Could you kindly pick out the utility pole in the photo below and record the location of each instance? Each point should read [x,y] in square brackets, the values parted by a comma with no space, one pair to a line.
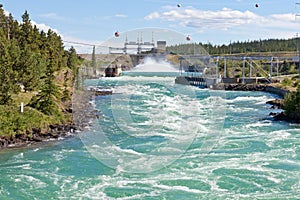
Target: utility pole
[225,68]
[243,70]
[297,15]
[297,55]
[271,70]
[250,70]
[217,70]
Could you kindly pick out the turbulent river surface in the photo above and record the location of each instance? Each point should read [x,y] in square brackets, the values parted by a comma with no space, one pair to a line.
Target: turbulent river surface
[158,140]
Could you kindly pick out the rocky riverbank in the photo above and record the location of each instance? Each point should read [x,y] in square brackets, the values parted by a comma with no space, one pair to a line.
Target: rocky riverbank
[36,135]
[245,87]
[83,112]
[275,104]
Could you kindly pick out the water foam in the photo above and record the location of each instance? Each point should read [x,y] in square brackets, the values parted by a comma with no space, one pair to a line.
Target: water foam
[154,65]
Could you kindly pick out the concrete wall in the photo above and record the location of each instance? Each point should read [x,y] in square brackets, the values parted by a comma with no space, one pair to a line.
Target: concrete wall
[229,80]
[181,80]
[277,91]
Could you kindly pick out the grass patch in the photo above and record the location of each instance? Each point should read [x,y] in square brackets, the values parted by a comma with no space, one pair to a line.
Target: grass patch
[24,97]
[14,122]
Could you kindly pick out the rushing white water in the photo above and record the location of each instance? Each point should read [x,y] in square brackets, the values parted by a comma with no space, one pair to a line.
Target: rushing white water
[151,64]
[253,157]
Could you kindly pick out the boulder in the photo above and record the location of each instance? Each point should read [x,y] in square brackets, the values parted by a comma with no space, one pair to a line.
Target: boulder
[276,103]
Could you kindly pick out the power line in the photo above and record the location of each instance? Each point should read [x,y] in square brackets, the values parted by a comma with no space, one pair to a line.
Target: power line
[81,43]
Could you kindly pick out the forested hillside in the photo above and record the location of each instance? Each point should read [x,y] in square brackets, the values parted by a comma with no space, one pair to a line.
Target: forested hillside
[34,69]
[270,45]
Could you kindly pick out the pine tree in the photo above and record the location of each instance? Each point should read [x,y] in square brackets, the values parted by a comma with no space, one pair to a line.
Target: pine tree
[47,99]
[31,65]
[8,56]
[30,68]
[14,30]
[26,31]
[55,42]
[66,93]
[72,61]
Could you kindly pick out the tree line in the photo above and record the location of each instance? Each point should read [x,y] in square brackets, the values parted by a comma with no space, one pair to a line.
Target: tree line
[268,45]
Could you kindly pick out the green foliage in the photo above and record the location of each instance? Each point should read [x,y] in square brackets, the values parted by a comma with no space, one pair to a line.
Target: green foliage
[32,58]
[46,100]
[269,45]
[30,62]
[73,60]
[8,84]
[292,105]
[66,93]
[292,70]
[13,121]
[286,82]
[285,66]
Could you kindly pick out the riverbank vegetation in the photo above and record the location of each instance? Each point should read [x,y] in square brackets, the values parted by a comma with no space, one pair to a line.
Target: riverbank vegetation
[34,69]
[291,105]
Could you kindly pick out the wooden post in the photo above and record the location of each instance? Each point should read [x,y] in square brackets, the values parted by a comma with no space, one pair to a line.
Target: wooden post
[22,107]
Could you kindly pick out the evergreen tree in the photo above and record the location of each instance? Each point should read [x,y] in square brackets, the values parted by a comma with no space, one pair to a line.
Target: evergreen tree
[55,42]
[66,93]
[14,30]
[8,56]
[47,98]
[26,31]
[72,61]
[30,68]
[31,65]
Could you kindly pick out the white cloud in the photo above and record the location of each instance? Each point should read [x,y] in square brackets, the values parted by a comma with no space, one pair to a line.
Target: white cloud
[152,16]
[284,17]
[228,20]
[6,13]
[121,15]
[51,16]
[44,27]
[200,19]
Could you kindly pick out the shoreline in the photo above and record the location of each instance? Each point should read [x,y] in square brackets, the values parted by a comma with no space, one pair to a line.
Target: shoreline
[36,136]
[83,111]
[276,103]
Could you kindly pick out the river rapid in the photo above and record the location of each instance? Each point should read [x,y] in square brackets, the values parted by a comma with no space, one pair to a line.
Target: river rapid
[158,140]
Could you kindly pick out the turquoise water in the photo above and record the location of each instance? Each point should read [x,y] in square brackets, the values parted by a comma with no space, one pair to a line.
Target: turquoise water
[163,142]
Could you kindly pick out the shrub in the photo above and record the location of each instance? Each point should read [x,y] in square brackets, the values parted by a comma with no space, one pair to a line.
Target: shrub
[292,104]
[286,82]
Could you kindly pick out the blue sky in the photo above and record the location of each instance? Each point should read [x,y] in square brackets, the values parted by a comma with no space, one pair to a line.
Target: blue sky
[215,21]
